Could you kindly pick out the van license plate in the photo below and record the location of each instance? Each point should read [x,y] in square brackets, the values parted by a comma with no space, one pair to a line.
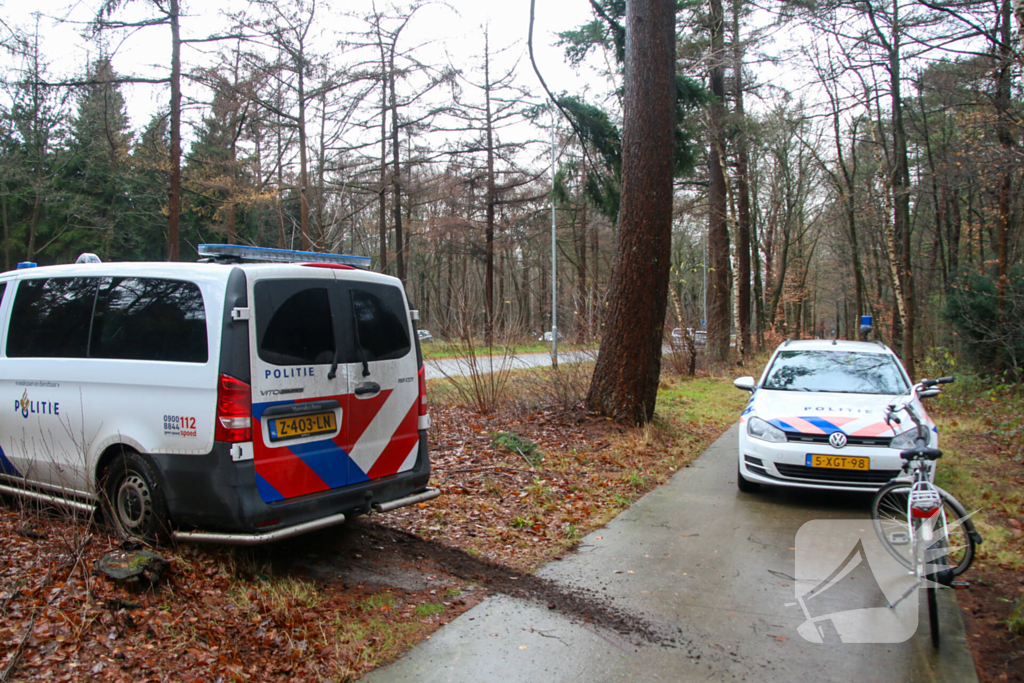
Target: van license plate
[301,425]
[839,462]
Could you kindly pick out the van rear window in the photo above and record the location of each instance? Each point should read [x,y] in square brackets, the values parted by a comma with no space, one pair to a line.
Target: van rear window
[50,318]
[139,318]
[294,322]
[381,327]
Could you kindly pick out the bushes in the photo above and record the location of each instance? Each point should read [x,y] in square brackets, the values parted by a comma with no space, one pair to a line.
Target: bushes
[991,329]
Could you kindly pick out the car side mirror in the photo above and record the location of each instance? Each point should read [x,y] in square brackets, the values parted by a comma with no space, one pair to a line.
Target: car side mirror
[928,393]
[744,383]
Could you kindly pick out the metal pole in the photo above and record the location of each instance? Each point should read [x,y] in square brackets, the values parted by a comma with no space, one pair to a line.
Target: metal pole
[554,272]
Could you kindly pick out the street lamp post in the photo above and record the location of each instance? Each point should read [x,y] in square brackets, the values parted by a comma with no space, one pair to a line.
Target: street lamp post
[554,265]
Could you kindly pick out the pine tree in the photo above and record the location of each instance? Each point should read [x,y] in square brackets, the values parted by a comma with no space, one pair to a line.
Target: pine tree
[98,168]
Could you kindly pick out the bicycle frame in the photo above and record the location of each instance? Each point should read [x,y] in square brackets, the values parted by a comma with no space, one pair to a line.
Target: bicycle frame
[926,517]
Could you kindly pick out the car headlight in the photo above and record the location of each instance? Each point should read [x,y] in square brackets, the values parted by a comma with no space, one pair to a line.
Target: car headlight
[907,440]
[760,429]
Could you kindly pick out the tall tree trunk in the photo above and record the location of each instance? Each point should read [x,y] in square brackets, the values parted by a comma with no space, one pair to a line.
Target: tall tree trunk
[718,230]
[303,163]
[396,171]
[742,192]
[901,195]
[1006,141]
[625,380]
[174,190]
[491,201]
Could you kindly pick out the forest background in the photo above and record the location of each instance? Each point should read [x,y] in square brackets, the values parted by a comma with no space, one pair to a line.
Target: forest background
[832,159]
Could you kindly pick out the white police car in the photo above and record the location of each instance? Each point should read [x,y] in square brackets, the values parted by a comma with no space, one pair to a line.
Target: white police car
[816,418]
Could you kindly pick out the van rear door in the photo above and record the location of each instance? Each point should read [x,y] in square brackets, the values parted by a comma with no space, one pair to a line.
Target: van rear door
[383,436]
[299,405]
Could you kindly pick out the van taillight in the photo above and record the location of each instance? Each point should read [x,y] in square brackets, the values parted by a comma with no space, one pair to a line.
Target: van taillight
[423,390]
[234,410]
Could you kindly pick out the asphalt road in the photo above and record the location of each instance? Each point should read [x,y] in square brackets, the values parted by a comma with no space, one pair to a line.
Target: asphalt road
[713,570]
[460,367]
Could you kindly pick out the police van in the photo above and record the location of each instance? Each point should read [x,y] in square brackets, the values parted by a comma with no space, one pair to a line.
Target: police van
[253,396]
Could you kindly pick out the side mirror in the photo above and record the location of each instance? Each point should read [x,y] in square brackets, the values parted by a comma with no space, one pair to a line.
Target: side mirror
[928,393]
[744,383]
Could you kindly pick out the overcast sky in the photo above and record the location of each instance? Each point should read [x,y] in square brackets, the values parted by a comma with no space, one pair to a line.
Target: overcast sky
[454,30]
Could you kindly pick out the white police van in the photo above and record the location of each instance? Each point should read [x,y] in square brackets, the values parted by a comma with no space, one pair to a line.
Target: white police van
[216,401]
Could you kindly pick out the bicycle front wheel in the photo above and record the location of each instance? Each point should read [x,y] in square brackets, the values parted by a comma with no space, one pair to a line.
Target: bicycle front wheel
[889,516]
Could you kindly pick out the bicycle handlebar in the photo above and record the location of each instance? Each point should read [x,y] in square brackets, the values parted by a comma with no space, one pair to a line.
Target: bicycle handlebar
[921,453]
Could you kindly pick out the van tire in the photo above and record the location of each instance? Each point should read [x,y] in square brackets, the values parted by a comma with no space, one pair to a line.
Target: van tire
[133,500]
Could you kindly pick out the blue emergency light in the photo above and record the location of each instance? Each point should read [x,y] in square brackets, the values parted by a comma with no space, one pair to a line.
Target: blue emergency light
[866,325]
[236,252]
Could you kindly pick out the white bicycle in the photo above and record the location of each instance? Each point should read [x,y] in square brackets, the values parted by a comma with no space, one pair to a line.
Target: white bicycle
[924,527]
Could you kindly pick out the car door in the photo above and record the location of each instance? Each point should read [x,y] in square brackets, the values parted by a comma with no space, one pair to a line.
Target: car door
[299,382]
[46,438]
[383,436]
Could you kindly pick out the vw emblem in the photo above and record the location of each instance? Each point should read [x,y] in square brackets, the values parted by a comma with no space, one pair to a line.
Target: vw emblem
[837,439]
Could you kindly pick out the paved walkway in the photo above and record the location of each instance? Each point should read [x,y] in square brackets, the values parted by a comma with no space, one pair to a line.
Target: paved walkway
[459,367]
[697,557]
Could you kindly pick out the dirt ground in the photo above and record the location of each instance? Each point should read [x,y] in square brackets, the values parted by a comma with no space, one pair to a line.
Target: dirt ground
[983,464]
[335,604]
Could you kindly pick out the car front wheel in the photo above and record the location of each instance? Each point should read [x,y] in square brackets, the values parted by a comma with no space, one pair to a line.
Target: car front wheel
[745,485]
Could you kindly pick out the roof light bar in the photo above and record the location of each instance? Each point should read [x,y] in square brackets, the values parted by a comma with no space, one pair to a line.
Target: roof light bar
[240,253]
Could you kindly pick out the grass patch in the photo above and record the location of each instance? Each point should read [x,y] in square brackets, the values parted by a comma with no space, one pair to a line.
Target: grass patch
[1015,622]
[429,610]
[980,436]
[517,444]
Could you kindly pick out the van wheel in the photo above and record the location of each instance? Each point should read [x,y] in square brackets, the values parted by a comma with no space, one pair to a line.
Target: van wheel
[133,501]
[745,485]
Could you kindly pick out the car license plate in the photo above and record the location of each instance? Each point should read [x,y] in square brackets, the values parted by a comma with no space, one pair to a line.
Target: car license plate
[301,425]
[839,462]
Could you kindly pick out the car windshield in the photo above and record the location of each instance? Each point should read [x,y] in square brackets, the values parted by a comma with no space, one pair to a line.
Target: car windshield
[836,371]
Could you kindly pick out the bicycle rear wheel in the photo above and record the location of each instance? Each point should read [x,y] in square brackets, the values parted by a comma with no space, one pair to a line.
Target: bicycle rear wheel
[933,612]
[889,516]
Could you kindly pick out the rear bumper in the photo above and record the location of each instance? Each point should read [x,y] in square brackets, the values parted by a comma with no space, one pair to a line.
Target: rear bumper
[216,499]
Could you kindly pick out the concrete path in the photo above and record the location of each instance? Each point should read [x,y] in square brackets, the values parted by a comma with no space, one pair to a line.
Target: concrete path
[459,367]
[697,557]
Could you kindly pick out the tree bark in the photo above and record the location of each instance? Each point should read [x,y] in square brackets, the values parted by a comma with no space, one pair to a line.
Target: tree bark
[396,171]
[718,230]
[625,381]
[174,190]
[742,194]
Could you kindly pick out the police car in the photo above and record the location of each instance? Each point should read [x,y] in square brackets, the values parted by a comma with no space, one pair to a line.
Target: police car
[252,397]
[816,418]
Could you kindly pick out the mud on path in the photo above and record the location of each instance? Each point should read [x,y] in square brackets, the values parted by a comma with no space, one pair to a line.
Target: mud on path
[377,557]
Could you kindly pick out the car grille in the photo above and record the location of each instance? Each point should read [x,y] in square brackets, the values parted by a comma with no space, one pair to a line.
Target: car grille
[797,437]
[837,477]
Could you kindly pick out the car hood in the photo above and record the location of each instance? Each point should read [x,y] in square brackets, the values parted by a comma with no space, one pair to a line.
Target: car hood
[823,413]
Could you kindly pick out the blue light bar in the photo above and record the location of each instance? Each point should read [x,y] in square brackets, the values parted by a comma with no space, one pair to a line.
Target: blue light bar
[866,321]
[278,255]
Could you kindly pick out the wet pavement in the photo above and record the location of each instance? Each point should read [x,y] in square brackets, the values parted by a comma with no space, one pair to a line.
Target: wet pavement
[711,572]
[461,367]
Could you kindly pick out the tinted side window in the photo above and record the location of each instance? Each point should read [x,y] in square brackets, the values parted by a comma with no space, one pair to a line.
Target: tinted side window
[380,322]
[293,322]
[150,319]
[50,318]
